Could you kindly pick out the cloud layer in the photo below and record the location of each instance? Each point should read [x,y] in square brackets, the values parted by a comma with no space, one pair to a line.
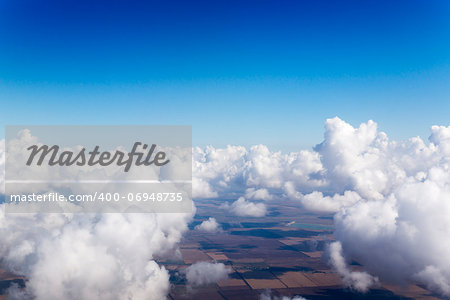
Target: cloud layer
[390,201]
[89,256]
[390,198]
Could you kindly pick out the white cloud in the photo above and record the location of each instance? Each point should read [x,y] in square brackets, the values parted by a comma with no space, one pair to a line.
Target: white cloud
[360,281]
[218,172]
[89,256]
[390,200]
[202,189]
[209,225]
[316,201]
[268,296]
[390,197]
[203,273]
[244,208]
[258,194]
[434,279]
[400,231]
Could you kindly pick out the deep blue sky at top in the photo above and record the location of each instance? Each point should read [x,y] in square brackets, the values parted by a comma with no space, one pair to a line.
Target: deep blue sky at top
[241,72]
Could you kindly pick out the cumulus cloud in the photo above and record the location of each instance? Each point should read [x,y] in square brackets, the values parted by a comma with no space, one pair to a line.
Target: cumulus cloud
[316,201]
[268,296]
[243,208]
[258,194]
[89,256]
[202,189]
[203,273]
[390,198]
[391,204]
[360,281]
[219,172]
[400,230]
[209,225]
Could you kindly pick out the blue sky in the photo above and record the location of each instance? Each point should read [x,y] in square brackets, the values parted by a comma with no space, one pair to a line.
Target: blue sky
[240,72]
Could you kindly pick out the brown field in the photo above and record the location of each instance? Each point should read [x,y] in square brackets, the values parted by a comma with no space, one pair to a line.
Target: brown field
[314,254]
[217,255]
[324,279]
[248,260]
[227,283]
[191,256]
[293,241]
[411,291]
[296,279]
[265,284]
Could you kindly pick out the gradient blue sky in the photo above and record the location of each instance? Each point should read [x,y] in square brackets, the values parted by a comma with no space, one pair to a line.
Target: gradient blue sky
[240,72]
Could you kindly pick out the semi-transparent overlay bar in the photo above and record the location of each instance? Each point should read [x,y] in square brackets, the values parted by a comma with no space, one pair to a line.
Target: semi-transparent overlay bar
[98,169]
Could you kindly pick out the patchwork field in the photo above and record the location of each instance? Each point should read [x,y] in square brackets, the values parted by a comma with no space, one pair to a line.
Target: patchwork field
[273,254]
[283,253]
